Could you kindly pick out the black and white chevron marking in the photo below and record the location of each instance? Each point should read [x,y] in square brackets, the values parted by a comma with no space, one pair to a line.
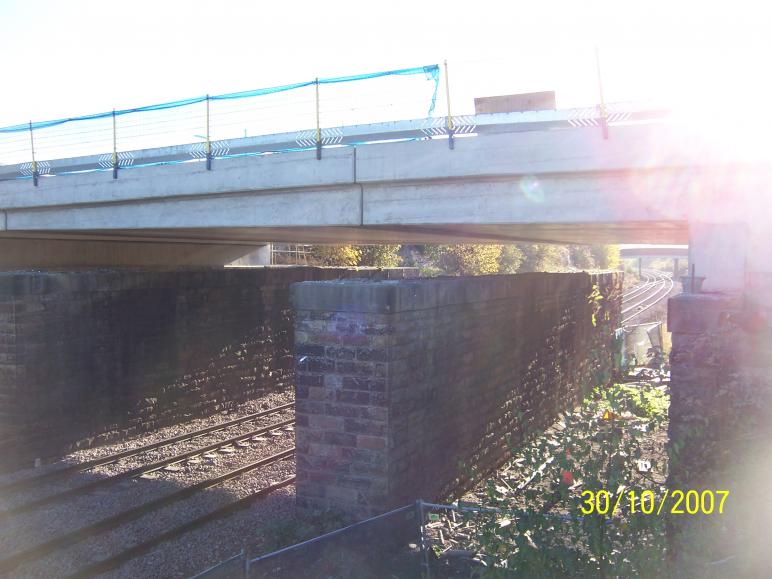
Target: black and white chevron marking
[43,168]
[332,136]
[590,116]
[125,159]
[438,126]
[219,149]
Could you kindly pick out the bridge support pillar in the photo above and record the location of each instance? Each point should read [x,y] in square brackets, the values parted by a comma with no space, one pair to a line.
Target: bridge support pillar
[718,252]
[721,410]
[409,389]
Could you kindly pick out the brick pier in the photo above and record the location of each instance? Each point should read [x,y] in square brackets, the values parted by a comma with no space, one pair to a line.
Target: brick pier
[412,388]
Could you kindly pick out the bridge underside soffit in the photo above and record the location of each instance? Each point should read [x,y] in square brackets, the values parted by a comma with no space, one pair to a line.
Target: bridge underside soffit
[620,232]
[213,246]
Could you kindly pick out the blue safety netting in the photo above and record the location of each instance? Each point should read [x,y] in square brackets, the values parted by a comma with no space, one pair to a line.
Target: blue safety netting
[294,115]
[431,72]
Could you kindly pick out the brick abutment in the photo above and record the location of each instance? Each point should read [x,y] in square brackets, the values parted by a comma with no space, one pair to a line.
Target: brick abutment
[720,431]
[95,356]
[417,388]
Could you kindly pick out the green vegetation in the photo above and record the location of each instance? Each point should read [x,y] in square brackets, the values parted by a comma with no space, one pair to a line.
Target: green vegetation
[642,401]
[606,256]
[471,259]
[354,255]
[510,259]
[334,255]
[544,530]
[380,255]
[582,257]
[544,257]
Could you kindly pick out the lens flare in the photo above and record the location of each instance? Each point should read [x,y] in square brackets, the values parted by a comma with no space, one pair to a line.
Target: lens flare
[532,189]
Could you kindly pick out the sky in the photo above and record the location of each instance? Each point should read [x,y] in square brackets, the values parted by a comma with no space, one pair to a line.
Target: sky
[71,58]
[79,56]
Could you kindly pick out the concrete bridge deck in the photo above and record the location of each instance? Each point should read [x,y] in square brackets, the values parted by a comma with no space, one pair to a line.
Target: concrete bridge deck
[642,185]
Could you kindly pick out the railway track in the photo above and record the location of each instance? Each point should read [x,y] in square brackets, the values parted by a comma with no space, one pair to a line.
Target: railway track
[31,482]
[64,540]
[139,471]
[140,549]
[648,280]
[69,538]
[655,287]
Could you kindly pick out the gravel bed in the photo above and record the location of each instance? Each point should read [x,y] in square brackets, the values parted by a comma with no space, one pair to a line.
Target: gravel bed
[659,311]
[33,527]
[70,560]
[27,529]
[265,402]
[214,542]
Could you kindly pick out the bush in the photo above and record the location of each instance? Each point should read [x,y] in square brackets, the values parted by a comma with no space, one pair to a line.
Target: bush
[379,255]
[596,449]
[335,255]
[606,256]
[543,257]
[582,257]
[468,259]
[511,259]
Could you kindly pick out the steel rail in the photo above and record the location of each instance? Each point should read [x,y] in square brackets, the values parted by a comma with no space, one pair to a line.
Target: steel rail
[650,278]
[59,542]
[110,563]
[138,471]
[660,282]
[640,283]
[664,294]
[638,288]
[84,466]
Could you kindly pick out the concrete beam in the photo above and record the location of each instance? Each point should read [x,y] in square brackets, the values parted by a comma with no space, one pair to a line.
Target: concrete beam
[25,253]
[538,152]
[263,173]
[653,196]
[665,252]
[643,185]
[333,206]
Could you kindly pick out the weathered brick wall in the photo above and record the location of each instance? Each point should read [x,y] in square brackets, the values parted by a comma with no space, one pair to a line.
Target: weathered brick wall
[411,389]
[720,432]
[87,357]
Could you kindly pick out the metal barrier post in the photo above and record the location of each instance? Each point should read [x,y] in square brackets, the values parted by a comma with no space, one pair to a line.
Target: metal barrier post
[34,163]
[318,124]
[115,149]
[451,143]
[602,106]
[208,141]
[422,540]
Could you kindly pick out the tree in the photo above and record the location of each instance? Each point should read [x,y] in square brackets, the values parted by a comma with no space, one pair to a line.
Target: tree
[379,255]
[511,259]
[544,257]
[334,255]
[606,256]
[466,259]
[582,256]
